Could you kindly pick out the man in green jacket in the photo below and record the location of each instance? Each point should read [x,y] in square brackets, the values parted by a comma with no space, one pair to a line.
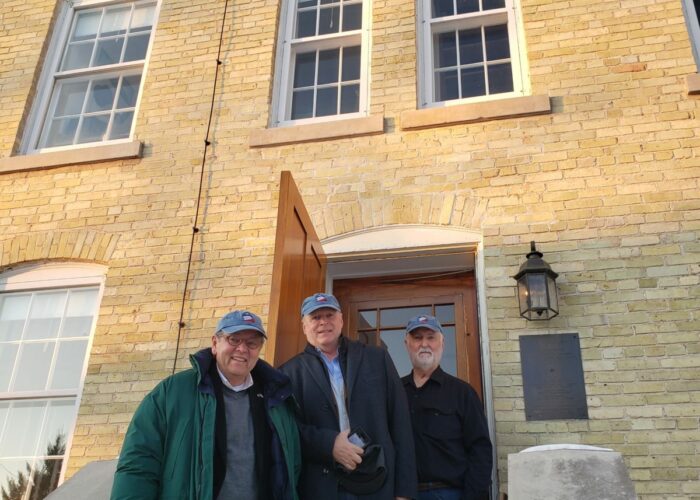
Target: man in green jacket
[224,429]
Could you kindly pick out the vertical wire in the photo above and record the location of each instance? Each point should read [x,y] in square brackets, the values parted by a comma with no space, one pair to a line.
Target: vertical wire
[195,228]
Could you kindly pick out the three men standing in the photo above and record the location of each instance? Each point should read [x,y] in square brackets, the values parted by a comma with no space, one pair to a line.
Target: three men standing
[344,387]
[223,429]
[453,449]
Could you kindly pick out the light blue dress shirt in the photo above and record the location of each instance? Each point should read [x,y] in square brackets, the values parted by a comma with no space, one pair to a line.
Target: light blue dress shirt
[338,385]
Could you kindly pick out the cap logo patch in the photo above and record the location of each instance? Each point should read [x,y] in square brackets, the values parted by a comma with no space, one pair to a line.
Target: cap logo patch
[248,318]
[423,319]
[321,299]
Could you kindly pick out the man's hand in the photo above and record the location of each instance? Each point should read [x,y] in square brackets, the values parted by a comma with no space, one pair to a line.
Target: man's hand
[345,453]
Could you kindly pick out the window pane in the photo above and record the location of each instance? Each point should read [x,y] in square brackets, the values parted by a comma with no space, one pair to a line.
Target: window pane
[392,340]
[45,316]
[129,91]
[108,51]
[142,18]
[58,425]
[13,314]
[121,128]
[500,78]
[367,319]
[328,66]
[70,98]
[442,8]
[21,432]
[399,316]
[46,475]
[351,63]
[327,101]
[304,70]
[493,4]
[93,129]
[86,25]
[302,104]
[445,50]
[445,314]
[101,96]
[446,85]
[136,47]
[61,132]
[8,353]
[350,99]
[33,367]
[352,17]
[473,83]
[77,56]
[470,48]
[306,3]
[14,476]
[79,314]
[69,365]
[115,21]
[329,20]
[449,354]
[465,6]
[497,42]
[306,23]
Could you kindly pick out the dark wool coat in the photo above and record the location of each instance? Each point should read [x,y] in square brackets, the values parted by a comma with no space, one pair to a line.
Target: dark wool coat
[376,402]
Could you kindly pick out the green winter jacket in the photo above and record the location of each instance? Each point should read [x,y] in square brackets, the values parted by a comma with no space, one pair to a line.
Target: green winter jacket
[168,450]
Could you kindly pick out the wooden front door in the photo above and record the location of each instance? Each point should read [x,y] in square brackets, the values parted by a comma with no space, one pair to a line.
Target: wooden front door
[376,311]
[298,270]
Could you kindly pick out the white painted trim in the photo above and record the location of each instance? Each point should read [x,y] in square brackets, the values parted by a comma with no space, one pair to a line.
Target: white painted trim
[402,236]
[59,275]
[691,21]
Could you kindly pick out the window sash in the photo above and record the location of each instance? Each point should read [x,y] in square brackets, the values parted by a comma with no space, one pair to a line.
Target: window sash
[429,71]
[291,46]
[53,76]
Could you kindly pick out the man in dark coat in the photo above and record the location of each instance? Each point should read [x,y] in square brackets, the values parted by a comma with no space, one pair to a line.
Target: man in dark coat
[453,448]
[342,386]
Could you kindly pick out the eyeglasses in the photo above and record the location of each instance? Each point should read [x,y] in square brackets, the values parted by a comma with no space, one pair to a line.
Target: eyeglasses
[252,344]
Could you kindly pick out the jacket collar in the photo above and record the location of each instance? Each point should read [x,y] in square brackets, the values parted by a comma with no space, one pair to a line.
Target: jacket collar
[276,385]
[351,355]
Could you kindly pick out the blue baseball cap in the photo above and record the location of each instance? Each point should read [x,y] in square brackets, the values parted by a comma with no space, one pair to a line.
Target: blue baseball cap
[424,321]
[319,301]
[238,321]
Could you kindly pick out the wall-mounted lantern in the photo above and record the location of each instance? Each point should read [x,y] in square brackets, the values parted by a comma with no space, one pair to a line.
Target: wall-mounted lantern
[537,289]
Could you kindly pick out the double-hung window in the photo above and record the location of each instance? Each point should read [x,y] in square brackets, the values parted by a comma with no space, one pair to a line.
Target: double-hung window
[323,59]
[468,50]
[44,339]
[92,77]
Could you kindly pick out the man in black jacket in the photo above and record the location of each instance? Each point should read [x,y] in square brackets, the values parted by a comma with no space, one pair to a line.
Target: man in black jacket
[342,386]
[453,449]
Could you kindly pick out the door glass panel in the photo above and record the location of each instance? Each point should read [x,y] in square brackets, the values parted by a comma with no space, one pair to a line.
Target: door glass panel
[399,316]
[445,313]
[368,319]
[393,341]
[449,354]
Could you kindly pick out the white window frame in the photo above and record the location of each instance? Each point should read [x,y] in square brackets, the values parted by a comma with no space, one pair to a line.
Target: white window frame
[693,23]
[428,26]
[42,102]
[287,49]
[42,277]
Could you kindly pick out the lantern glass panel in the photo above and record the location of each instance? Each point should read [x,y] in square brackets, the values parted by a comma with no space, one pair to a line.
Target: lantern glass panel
[553,301]
[523,294]
[538,291]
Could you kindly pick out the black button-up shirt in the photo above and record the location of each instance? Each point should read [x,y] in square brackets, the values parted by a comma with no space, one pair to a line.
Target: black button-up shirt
[450,433]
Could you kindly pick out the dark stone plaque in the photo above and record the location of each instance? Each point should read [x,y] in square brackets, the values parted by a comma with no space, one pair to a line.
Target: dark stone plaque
[553,377]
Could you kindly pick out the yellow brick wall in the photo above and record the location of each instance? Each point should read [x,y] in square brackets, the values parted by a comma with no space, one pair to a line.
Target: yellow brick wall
[607,184]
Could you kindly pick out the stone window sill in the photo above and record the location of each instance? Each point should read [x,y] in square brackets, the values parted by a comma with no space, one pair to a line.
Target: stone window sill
[476,112]
[336,129]
[91,154]
[693,82]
